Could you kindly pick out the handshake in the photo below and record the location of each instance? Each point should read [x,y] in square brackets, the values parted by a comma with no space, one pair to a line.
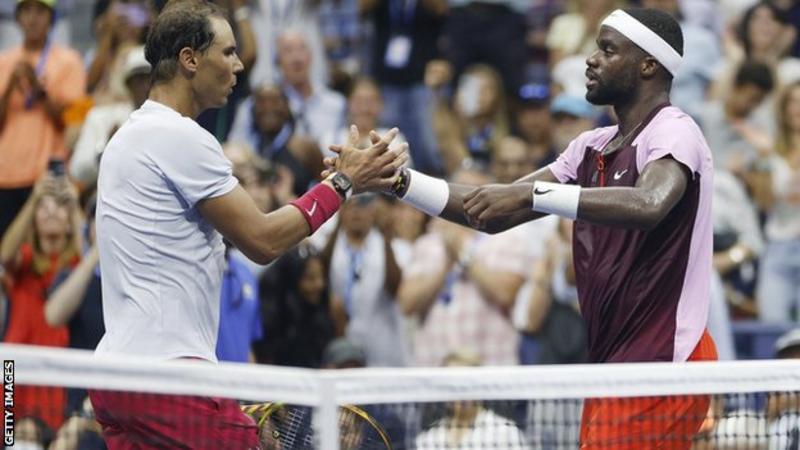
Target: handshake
[376,168]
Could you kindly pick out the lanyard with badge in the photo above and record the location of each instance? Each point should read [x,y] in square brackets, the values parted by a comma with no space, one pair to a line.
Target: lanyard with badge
[401,17]
[356,257]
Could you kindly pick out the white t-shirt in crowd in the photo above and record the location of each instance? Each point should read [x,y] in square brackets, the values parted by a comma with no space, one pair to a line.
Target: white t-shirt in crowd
[162,262]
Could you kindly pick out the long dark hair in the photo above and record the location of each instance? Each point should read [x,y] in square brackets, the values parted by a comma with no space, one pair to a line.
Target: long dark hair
[742,30]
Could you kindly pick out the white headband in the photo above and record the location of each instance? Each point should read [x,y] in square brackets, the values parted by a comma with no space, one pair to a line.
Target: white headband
[645,38]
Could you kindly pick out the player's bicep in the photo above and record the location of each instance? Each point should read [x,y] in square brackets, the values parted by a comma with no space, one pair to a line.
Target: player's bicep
[664,182]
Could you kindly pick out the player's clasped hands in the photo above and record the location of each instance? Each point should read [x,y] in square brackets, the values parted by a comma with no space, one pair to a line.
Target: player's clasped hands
[495,201]
[372,169]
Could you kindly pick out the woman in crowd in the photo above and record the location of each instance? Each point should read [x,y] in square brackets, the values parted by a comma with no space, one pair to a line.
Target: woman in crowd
[295,311]
[779,282]
[44,238]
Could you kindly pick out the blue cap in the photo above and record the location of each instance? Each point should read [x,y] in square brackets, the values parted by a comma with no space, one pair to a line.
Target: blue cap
[534,93]
[574,106]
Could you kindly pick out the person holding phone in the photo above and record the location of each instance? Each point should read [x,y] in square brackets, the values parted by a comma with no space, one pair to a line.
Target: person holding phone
[38,80]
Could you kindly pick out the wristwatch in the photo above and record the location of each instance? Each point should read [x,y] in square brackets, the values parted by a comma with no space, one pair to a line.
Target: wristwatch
[342,184]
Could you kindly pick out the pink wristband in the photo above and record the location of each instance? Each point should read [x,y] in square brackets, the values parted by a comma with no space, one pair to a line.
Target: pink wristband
[318,205]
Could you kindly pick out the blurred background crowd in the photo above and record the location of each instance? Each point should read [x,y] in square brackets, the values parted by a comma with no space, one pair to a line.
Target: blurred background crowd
[483,91]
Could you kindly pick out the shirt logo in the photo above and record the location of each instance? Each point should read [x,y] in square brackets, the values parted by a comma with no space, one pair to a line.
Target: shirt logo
[313,208]
[618,175]
[538,191]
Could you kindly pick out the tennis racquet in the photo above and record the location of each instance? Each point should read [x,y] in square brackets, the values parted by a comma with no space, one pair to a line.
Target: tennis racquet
[289,427]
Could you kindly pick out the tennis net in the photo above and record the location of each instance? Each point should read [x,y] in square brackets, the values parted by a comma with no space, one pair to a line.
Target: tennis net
[192,404]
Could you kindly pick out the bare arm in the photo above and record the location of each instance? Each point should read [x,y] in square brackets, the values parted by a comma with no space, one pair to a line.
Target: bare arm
[67,298]
[500,288]
[416,294]
[247,39]
[657,191]
[262,237]
[5,100]
[393,274]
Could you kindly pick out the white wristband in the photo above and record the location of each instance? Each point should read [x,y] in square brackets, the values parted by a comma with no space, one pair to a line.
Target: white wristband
[555,198]
[427,194]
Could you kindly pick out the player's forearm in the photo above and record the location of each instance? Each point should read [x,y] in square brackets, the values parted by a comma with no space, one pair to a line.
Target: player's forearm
[280,231]
[393,274]
[65,301]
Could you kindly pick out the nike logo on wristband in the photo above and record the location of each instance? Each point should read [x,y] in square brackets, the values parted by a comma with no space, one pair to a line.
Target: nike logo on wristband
[538,191]
[313,208]
[618,175]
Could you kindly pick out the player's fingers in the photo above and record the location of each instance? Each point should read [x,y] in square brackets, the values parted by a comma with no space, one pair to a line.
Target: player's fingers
[330,161]
[353,136]
[383,144]
[335,148]
[374,137]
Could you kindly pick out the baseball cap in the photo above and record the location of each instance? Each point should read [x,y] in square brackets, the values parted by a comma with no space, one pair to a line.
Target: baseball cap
[787,341]
[534,94]
[341,351]
[573,106]
[136,63]
[49,3]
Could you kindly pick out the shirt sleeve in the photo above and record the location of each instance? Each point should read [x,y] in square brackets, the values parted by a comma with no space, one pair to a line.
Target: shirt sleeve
[678,142]
[565,167]
[195,166]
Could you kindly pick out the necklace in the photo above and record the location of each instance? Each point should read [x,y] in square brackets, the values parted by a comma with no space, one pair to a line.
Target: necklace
[612,148]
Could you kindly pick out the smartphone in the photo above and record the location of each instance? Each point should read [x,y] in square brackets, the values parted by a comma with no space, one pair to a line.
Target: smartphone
[56,167]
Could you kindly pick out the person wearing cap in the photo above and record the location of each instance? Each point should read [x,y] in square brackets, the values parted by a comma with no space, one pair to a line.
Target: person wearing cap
[533,122]
[640,194]
[571,116]
[104,119]
[38,80]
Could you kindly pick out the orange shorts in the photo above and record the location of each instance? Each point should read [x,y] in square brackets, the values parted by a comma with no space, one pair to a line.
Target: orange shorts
[647,422]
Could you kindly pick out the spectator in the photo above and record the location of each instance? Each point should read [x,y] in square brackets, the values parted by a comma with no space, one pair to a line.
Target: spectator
[701,56]
[342,35]
[468,424]
[469,131]
[533,124]
[38,80]
[365,274]
[462,285]
[316,109]
[80,431]
[218,121]
[120,26]
[271,18]
[43,239]
[779,283]
[266,123]
[573,33]
[492,33]
[571,116]
[364,107]
[295,311]
[763,35]
[75,300]
[240,313]
[735,132]
[511,160]
[411,30]
[103,120]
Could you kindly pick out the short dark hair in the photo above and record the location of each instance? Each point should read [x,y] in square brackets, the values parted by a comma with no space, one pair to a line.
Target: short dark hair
[181,24]
[662,24]
[755,73]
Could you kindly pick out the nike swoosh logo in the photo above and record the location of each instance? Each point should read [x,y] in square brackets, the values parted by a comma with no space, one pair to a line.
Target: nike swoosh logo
[618,175]
[538,191]
[313,208]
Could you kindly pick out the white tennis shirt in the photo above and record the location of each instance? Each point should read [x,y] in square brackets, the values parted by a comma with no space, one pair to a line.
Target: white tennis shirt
[161,261]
